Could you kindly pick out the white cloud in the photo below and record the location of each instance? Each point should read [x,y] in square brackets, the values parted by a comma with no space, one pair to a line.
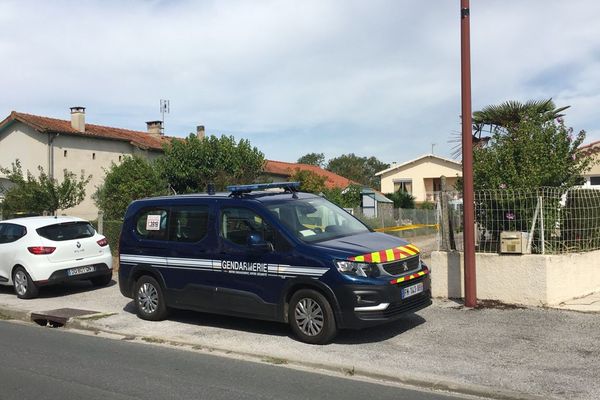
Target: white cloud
[374,78]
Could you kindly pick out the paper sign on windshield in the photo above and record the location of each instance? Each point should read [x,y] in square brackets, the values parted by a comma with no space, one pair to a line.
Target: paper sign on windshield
[153,223]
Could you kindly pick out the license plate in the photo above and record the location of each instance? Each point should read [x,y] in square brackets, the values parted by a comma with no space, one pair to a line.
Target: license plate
[412,290]
[81,270]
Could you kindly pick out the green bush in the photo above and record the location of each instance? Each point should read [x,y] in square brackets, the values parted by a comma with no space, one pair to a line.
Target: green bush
[580,222]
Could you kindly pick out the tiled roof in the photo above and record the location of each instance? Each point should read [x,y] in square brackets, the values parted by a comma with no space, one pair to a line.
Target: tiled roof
[425,156]
[591,148]
[288,169]
[52,125]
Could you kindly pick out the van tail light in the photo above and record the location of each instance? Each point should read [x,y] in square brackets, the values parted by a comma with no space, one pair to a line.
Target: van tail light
[102,242]
[38,250]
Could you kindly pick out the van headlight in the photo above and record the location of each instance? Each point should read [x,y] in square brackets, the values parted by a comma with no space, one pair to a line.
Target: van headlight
[355,268]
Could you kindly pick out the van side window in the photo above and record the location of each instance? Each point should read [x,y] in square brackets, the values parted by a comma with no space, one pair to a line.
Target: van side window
[238,223]
[152,224]
[188,223]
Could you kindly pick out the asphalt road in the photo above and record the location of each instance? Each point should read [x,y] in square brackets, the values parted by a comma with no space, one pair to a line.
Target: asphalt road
[43,363]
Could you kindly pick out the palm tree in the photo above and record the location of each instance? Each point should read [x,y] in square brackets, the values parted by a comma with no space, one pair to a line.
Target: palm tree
[505,115]
[511,112]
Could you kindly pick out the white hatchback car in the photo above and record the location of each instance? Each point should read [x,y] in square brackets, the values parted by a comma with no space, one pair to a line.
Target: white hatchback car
[38,251]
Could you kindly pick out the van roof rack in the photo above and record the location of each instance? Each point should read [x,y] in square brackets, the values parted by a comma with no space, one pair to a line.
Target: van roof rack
[237,190]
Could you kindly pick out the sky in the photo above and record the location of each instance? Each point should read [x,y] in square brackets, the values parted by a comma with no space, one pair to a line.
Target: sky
[374,78]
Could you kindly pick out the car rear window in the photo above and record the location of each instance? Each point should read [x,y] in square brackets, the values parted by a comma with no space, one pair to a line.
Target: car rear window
[67,231]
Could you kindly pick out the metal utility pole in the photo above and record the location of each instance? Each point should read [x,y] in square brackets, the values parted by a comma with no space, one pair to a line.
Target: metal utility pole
[467,156]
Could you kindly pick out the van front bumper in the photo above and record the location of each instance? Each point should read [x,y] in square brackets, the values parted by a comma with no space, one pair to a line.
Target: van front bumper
[369,305]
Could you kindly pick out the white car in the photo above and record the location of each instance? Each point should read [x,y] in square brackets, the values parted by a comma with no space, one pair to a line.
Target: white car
[38,251]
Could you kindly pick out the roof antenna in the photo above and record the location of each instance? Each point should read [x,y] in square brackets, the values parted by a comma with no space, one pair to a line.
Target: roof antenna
[165,107]
[293,189]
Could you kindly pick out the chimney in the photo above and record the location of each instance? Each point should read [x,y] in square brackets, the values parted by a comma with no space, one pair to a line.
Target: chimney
[200,131]
[155,128]
[78,118]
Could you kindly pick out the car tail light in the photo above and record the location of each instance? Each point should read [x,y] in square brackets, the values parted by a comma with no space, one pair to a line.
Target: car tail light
[41,250]
[102,242]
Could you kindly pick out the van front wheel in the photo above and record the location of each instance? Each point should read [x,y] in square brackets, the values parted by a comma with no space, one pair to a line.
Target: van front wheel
[311,317]
[149,300]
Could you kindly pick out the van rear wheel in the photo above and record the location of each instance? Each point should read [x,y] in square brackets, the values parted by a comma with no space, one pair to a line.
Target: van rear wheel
[311,317]
[149,299]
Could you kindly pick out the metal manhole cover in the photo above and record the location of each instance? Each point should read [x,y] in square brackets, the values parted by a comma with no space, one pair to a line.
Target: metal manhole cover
[61,315]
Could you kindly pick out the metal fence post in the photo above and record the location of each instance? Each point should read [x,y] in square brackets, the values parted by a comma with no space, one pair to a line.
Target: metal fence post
[542,235]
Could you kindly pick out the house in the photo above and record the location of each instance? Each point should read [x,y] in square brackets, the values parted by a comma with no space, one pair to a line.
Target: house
[76,145]
[592,176]
[279,170]
[373,203]
[420,177]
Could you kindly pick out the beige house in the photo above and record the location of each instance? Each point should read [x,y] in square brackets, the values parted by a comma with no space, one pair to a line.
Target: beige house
[420,177]
[75,145]
[592,176]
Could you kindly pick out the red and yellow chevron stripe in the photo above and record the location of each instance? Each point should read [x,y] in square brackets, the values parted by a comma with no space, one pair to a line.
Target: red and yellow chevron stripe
[397,253]
[425,271]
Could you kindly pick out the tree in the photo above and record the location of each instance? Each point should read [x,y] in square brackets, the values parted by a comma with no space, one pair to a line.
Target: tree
[317,159]
[402,199]
[511,112]
[189,165]
[134,178]
[498,117]
[358,169]
[529,153]
[347,198]
[42,194]
[309,181]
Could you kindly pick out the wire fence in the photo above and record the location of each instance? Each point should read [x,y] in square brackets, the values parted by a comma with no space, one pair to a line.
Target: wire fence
[543,221]
[402,222]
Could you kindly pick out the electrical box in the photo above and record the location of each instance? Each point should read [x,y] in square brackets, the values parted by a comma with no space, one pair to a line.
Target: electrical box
[513,242]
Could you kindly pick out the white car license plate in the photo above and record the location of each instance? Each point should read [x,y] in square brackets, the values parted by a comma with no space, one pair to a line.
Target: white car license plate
[412,290]
[81,270]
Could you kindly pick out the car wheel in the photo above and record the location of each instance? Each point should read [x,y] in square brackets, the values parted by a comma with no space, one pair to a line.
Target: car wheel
[102,280]
[24,286]
[149,299]
[311,317]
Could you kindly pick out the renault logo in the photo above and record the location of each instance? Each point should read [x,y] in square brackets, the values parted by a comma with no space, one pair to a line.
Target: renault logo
[79,246]
[405,266]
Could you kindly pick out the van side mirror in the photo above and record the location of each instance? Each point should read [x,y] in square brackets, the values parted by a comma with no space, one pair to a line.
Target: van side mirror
[258,244]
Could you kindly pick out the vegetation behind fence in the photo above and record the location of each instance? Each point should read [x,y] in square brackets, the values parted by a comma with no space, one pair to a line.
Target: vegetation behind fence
[415,222]
[555,220]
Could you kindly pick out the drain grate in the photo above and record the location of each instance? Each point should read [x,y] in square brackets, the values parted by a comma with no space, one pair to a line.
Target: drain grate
[59,317]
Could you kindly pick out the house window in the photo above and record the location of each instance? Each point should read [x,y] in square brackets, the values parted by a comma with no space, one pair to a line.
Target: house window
[93,156]
[403,184]
[64,153]
[595,180]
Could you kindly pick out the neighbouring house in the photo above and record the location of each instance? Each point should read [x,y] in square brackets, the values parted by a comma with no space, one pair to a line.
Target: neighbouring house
[76,145]
[420,177]
[279,170]
[592,176]
[373,203]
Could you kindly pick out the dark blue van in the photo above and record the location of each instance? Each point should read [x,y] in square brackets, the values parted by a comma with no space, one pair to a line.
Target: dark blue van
[274,255]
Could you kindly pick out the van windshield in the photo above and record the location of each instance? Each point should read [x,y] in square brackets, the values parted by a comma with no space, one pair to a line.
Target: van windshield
[316,220]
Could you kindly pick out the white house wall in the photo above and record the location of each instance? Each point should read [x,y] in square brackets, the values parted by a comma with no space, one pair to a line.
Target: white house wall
[594,171]
[21,142]
[419,171]
[92,155]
